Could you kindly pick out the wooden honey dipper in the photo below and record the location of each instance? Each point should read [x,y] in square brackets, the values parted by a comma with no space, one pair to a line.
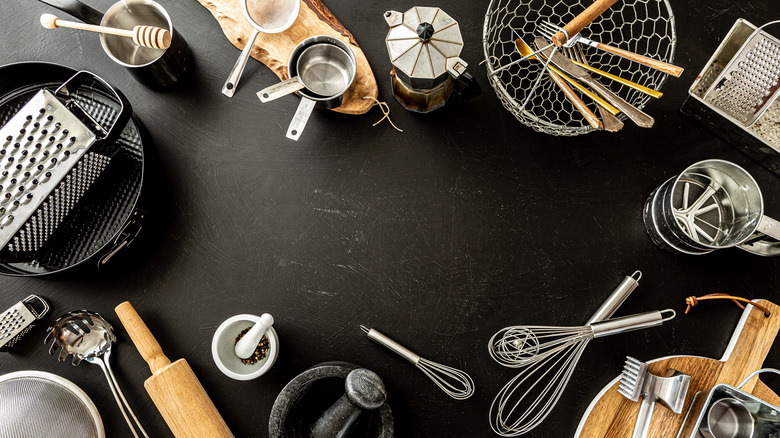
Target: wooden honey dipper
[145,36]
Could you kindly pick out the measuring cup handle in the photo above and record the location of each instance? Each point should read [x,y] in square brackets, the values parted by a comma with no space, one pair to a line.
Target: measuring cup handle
[276,91]
[766,240]
[77,9]
[300,118]
[232,82]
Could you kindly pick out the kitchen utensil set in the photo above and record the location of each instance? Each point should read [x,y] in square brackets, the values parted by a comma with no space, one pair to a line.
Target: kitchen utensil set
[533,98]
[322,70]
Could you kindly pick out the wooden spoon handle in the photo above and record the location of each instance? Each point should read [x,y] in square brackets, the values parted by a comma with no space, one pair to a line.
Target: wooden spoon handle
[142,338]
[653,63]
[580,21]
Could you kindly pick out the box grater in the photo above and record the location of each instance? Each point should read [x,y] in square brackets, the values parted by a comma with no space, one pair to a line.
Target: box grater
[52,152]
[735,95]
[749,84]
[18,320]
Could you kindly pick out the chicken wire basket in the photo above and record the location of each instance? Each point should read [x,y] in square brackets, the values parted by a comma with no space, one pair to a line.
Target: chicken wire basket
[646,27]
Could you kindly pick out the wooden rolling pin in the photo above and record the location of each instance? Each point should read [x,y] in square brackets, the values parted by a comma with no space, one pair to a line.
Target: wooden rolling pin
[173,387]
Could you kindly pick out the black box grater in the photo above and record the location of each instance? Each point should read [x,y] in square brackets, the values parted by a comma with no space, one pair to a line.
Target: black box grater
[52,153]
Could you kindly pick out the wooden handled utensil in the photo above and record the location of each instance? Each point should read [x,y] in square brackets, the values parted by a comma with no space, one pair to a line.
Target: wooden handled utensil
[145,36]
[580,21]
[173,387]
[612,415]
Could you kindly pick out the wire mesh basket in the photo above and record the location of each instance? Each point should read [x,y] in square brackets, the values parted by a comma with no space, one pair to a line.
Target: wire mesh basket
[646,27]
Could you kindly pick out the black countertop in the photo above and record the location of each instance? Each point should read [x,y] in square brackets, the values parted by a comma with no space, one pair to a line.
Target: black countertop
[439,236]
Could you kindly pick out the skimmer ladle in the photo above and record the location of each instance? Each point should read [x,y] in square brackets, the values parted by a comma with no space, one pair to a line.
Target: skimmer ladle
[88,337]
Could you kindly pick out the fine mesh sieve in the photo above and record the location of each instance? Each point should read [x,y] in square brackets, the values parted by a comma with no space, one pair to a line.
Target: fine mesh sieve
[36,404]
[646,27]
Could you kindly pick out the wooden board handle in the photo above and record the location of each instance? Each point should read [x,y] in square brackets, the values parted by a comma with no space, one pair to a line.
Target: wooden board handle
[650,62]
[580,21]
[142,338]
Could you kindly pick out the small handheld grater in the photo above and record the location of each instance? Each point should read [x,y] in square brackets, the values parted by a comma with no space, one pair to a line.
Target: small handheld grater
[49,158]
[18,320]
[750,82]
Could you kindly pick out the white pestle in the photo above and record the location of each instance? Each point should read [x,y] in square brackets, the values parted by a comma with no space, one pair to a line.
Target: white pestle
[247,345]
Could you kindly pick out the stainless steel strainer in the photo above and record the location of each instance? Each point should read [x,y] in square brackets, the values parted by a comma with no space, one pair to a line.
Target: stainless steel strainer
[35,404]
[646,27]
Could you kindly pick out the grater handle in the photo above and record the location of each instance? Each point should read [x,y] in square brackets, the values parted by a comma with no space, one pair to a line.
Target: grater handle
[580,21]
[77,9]
[125,110]
[142,338]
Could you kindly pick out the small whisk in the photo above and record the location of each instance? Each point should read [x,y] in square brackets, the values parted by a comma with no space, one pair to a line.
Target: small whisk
[548,356]
[454,382]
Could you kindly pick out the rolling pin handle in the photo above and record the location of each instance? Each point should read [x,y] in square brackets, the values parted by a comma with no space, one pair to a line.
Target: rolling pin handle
[142,338]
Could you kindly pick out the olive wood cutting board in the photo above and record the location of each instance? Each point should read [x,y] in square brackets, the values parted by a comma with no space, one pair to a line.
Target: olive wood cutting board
[274,50]
[610,415]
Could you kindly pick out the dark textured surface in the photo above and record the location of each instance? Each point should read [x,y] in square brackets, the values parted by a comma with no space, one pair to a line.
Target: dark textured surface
[438,236]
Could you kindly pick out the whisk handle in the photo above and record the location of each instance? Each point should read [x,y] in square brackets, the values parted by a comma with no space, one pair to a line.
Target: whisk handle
[616,298]
[631,323]
[391,345]
[580,21]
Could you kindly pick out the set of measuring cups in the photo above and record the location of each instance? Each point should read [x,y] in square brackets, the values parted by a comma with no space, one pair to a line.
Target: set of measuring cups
[321,67]
[713,204]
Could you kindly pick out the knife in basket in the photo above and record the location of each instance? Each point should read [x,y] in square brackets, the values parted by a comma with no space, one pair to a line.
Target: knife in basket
[640,118]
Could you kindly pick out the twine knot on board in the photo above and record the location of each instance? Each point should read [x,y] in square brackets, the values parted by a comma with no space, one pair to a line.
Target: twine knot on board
[385,110]
[692,301]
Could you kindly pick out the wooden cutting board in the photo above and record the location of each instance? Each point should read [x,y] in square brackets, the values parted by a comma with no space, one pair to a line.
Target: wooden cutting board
[610,415]
[274,50]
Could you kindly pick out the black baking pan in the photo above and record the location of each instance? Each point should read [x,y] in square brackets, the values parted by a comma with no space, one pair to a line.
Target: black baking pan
[108,216]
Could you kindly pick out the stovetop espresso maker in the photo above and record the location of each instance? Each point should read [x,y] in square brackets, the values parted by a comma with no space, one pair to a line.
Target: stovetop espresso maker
[424,45]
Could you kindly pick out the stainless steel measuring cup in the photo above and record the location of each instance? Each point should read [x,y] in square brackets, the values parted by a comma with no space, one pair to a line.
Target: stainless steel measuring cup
[326,65]
[323,69]
[728,418]
[713,204]
[156,68]
[267,16]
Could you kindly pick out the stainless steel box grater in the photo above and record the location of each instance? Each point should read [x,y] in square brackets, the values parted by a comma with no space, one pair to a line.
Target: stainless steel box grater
[735,95]
[17,321]
[48,160]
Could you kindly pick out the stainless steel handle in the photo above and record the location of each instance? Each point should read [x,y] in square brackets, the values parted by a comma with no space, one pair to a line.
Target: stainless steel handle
[230,86]
[300,118]
[283,88]
[391,345]
[631,323]
[640,118]
[644,417]
[616,298]
[767,227]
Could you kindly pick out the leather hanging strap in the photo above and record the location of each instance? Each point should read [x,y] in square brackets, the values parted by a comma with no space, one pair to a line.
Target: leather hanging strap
[692,301]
